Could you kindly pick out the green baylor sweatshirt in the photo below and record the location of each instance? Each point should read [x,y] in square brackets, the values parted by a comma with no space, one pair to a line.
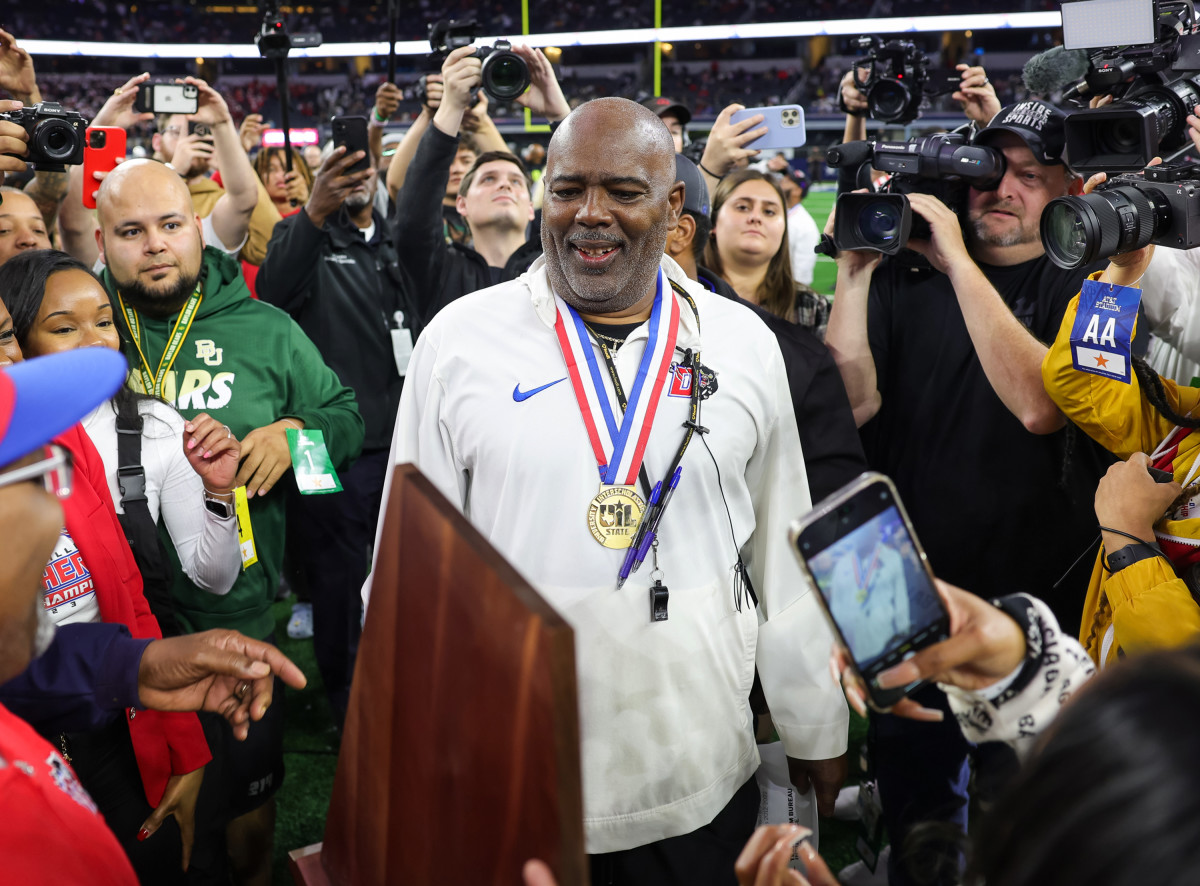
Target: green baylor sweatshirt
[247,364]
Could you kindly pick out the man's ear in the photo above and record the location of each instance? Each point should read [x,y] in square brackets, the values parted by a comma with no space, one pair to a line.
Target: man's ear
[460,203]
[675,198]
[679,238]
[156,142]
[100,244]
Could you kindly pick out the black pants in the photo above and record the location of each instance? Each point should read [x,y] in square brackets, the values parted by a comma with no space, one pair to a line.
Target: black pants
[329,549]
[704,857]
[105,764]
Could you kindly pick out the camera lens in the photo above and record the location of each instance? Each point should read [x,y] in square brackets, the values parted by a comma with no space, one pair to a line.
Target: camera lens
[888,100]
[97,138]
[879,223]
[1077,231]
[54,140]
[505,75]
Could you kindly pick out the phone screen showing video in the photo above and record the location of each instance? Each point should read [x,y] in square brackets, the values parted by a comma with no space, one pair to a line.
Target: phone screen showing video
[878,591]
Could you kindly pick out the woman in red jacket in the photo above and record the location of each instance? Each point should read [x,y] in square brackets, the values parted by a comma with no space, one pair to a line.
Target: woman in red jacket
[144,771]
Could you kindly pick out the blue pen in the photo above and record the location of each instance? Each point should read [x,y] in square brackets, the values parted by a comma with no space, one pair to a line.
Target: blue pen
[652,533]
[631,551]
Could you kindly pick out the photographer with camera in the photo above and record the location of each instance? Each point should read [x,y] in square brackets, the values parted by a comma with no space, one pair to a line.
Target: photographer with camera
[332,266]
[31,217]
[493,198]
[1143,587]
[942,366]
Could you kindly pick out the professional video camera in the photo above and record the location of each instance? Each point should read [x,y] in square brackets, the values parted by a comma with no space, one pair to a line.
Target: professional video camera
[943,165]
[273,39]
[1160,205]
[897,78]
[1146,54]
[56,135]
[505,74]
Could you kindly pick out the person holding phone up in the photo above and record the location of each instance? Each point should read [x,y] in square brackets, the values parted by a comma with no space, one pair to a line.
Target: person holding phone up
[332,266]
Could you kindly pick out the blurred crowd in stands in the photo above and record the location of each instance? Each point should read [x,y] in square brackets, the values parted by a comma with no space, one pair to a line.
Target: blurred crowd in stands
[345,21]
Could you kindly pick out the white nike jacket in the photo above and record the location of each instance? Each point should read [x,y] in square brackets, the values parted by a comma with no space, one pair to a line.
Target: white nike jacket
[664,714]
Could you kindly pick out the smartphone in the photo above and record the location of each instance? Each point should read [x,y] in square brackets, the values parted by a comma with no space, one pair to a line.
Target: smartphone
[352,132]
[167,98]
[102,150]
[201,129]
[873,580]
[785,126]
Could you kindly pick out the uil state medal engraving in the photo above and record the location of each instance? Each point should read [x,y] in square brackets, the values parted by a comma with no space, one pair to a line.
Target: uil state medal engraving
[614,514]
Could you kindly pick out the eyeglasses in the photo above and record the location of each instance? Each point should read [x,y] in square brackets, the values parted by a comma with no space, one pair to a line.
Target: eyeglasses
[55,467]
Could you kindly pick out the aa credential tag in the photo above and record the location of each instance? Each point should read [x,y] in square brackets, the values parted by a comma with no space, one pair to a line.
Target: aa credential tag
[1103,329]
[310,462]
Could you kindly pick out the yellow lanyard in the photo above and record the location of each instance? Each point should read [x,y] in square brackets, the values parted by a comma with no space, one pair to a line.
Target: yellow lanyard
[152,383]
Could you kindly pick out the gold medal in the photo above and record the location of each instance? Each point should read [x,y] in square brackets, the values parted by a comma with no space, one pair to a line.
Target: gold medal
[614,515]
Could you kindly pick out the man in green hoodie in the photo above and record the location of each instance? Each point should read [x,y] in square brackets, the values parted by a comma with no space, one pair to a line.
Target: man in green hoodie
[196,338]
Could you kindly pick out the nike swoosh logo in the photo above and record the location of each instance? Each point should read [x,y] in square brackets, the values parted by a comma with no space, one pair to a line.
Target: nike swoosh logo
[519,395]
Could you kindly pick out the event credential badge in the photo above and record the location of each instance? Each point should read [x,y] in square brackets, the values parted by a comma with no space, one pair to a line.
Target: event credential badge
[1103,330]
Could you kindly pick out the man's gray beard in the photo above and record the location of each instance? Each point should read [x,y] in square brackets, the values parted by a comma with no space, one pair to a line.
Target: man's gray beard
[159,305]
[1018,237]
[45,631]
[355,202]
[642,268]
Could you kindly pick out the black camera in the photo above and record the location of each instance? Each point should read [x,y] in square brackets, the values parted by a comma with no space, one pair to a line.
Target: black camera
[896,78]
[942,165]
[56,135]
[273,39]
[1150,72]
[505,74]
[1161,205]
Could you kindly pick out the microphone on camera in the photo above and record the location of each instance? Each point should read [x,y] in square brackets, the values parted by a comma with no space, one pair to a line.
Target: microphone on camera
[1054,70]
[850,154]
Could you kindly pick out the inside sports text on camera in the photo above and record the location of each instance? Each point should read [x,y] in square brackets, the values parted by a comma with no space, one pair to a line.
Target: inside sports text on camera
[1146,54]
[894,77]
[943,165]
[505,74]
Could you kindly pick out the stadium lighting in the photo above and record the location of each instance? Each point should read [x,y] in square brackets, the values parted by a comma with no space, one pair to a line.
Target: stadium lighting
[832,28]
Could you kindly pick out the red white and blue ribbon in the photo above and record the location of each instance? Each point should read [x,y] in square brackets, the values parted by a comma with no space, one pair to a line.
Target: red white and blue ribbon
[619,447]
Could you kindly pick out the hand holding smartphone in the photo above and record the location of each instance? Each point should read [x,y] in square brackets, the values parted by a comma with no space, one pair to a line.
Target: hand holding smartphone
[873,581]
[785,126]
[103,150]
[351,132]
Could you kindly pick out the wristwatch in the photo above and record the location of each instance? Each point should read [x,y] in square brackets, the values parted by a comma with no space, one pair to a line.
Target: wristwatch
[218,505]
[1131,554]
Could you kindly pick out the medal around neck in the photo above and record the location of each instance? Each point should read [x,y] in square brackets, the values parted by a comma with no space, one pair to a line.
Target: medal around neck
[619,448]
[614,514]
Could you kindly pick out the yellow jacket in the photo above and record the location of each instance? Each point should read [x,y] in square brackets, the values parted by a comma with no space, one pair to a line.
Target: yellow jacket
[1147,605]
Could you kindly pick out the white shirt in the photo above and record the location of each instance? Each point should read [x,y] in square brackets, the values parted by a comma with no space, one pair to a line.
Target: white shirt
[663,707]
[1171,305]
[803,236]
[207,544]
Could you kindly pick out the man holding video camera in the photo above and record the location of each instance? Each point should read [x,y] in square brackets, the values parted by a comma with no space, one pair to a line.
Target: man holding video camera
[494,197]
[943,368]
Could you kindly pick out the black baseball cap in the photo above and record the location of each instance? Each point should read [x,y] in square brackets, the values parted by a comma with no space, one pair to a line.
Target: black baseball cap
[1037,123]
[695,194]
[663,106]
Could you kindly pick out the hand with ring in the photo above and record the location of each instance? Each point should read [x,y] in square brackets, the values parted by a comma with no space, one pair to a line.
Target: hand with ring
[212,455]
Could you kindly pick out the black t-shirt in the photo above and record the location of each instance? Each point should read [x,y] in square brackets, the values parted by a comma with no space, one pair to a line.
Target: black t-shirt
[998,509]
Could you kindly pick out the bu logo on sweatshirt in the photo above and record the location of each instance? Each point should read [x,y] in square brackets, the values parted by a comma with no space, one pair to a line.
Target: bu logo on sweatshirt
[207,350]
